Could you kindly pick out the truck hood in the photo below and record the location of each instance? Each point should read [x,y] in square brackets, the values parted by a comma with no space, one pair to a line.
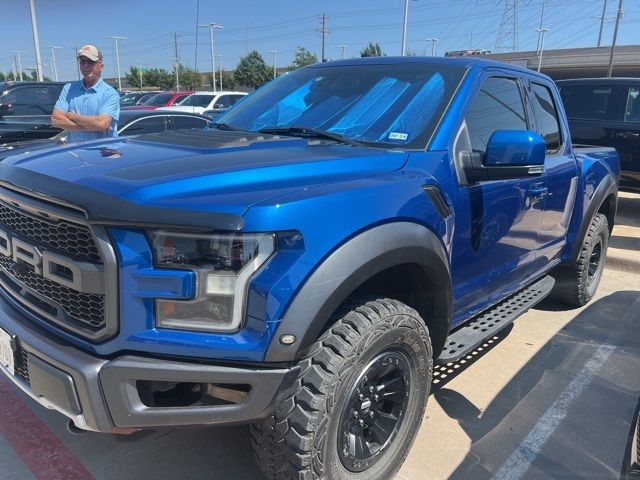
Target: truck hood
[204,179]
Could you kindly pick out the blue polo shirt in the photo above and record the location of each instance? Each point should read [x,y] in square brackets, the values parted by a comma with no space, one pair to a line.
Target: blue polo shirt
[97,100]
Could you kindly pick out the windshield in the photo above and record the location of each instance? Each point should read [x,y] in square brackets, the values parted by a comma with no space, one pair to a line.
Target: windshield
[159,100]
[382,105]
[197,101]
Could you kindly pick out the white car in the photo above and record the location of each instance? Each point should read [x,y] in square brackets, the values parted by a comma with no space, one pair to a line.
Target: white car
[199,102]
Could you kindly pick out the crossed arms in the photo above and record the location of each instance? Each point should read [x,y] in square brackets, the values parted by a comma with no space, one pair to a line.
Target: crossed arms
[80,123]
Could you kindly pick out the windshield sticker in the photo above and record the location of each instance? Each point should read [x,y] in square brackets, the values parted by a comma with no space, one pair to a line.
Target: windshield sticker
[398,136]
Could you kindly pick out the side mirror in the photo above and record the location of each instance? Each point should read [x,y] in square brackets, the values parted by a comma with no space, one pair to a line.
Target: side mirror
[510,154]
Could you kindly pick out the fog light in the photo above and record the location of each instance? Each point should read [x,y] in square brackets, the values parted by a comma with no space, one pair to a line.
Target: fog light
[287,339]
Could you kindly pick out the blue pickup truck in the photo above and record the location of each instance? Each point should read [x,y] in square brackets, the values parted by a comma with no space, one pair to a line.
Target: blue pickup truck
[302,265]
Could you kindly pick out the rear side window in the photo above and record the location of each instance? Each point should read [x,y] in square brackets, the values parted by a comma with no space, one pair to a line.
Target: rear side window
[596,102]
[146,125]
[546,117]
[632,112]
[180,123]
[498,106]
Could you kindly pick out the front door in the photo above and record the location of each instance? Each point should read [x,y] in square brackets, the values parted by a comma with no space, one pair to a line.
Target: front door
[497,221]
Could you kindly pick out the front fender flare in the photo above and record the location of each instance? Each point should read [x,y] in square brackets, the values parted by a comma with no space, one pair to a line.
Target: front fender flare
[352,264]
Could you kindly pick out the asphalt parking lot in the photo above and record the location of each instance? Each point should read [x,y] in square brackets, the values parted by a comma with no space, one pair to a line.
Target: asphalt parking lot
[551,397]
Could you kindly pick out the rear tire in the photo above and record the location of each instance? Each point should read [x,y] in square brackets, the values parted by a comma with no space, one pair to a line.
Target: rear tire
[358,400]
[576,284]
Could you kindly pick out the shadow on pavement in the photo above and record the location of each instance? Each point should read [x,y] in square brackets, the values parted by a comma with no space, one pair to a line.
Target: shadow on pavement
[588,438]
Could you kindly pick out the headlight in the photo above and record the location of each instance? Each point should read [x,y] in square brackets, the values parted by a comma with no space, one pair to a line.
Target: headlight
[224,263]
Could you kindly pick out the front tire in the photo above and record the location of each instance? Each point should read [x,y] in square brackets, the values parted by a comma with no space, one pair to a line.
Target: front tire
[576,284]
[358,400]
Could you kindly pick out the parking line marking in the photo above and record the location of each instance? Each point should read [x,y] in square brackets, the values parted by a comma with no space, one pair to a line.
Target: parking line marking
[40,450]
[521,459]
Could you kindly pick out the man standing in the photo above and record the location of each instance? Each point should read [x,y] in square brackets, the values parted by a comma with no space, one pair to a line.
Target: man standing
[88,108]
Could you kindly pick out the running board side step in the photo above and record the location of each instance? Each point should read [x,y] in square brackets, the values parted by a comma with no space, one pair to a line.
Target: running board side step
[474,332]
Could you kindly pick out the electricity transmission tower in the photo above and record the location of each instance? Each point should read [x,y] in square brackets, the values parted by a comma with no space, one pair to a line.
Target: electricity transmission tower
[508,32]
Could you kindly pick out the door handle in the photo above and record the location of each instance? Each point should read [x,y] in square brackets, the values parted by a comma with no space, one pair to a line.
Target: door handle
[628,135]
[538,192]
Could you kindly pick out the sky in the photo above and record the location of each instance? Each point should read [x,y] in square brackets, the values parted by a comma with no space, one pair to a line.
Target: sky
[284,25]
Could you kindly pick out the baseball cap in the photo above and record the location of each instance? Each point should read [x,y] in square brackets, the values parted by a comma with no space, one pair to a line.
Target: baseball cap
[90,52]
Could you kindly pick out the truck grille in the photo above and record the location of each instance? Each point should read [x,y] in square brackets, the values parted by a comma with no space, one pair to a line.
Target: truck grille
[22,366]
[66,237]
[52,264]
[81,309]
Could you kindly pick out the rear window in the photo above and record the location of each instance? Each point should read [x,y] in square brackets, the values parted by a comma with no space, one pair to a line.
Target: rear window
[596,102]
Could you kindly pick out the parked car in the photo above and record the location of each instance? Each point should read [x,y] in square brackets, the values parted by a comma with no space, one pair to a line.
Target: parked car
[130,123]
[199,102]
[164,99]
[606,111]
[26,108]
[132,98]
[302,265]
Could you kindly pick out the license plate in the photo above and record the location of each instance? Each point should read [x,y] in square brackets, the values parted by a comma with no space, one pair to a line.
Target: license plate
[6,352]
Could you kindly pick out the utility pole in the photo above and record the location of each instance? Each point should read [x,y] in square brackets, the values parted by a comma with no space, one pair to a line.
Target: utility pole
[115,40]
[36,41]
[343,48]
[323,31]
[13,67]
[433,45]
[615,37]
[541,32]
[177,59]
[212,27]
[54,67]
[604,11]
[18,52]
[275,52]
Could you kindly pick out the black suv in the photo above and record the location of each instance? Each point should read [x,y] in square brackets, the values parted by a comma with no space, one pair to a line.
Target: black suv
[25,110]
[606,111]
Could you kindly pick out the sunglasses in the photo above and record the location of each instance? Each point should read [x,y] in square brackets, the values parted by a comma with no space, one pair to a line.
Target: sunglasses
[86,61]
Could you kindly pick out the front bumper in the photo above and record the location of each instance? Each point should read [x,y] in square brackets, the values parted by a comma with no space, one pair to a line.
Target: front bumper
[103,395]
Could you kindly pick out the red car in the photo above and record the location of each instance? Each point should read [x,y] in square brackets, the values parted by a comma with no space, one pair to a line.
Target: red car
[163,99]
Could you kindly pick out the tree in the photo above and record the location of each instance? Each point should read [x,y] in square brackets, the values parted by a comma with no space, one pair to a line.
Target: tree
[252,71]
[304,57]
[416,53]
[34,76]
[132,77]
[372,50]
[159,77]
[228,81]
[189,78]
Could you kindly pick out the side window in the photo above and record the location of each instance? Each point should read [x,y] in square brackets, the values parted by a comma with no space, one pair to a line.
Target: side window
[498,106]
[590,101]
[29,101]
[632,112]
[180,123]
[223,101]
[235,98]
[546,114]
[146,125]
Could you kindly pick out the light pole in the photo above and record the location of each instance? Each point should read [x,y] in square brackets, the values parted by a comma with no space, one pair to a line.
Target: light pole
[343,48]
[36,40]
[541,32]
[275,52]
[54,66]
[404,27]
[18,52]
[140,72]
[433,45]
[212,27]
[544,2]
[115,40]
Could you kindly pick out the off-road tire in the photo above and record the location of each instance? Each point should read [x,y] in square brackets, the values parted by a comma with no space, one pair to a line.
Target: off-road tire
[300,439]
[576,284]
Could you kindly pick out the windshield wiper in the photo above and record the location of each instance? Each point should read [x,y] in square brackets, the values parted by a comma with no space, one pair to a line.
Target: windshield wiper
[309,133]
[225,126]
